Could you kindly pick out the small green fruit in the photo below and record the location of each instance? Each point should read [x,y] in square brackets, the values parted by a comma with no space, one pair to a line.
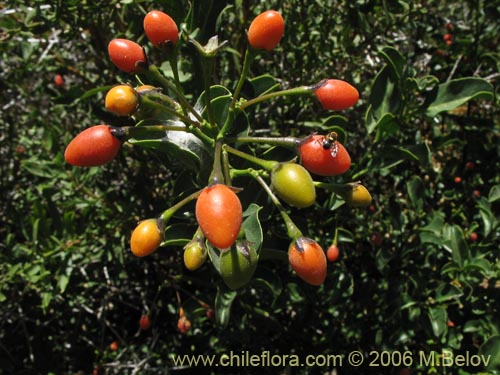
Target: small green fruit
[238,264]
[293,183]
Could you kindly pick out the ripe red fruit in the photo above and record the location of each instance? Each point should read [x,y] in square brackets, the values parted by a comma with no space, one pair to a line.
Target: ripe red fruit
[322,161]
[448,26]
[332,253]
[219,215]
[113,346]
[308,260]
[58,80]
[376,239]
[335,94]
[145,322]
[473,237]
[160,28]
[476,193]
[447,37]
[93,146]
[469,165]
[183,324]
[127,55]
[451,323]
[266,30]
[457,179]
[210,314]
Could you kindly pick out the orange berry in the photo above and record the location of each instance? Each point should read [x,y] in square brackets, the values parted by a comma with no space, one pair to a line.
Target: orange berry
[308,260]
[266,30]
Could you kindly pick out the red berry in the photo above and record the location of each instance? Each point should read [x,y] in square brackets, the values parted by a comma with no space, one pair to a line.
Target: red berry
[469,165]
[473,237]
[476,193]
[127,55]
[308,260]
[448,26]
[331,161]
[266,30]
[145,322]
[447,37]
[219,215]
[113,346]
[58,80]
[376,239]
[20,149]
[337,95]
[183,324]
[210,314]
[457,179]
[160,28]
[93,146]
[451,323]
[332,253]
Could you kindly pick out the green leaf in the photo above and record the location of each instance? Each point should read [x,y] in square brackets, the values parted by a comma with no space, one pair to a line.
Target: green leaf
[454,93]
[251,226]
[438,319]
[447,292]
[394,60]
[415,188]
[264,84]
[490,350]
[494,194]
[487,216]
[223,302]
[454,242]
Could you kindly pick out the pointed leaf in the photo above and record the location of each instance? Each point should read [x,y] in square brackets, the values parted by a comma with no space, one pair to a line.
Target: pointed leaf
[223,302]
[490,351]
[454,93]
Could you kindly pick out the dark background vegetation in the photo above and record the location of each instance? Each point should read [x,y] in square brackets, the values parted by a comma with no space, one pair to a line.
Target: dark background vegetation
[409,276]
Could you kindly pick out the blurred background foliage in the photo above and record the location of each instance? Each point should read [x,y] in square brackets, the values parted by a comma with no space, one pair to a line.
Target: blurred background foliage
[411,275]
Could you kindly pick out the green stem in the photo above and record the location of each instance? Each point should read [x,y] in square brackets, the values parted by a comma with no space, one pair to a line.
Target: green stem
[151,103]
[250,54]
[217,174]
[205,138]
[296,91]
[340,189]
[288,142]
[208,69]
[126,132]
[292,230]
[169,212]
[268,165]
[154,72]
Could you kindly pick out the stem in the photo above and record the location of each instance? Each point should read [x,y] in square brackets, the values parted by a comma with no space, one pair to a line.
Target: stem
[296,91]
[226,169]
[340,189]
[207,73]
[250,54]
[292,230]
[268,165]
[127,132]
[151,103]
[217,174]
[289,142]
[169,212]
[154,72]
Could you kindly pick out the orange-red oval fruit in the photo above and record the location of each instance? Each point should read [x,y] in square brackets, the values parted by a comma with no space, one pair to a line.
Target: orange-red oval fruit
[160,28]
[266,30]
[146,238]
[331,161]
[58,80]
[335,94]
[113,346]
[219,215]
[308,260]
[93,146]
[332,254]
[183,324]
[127,55]
[145,322]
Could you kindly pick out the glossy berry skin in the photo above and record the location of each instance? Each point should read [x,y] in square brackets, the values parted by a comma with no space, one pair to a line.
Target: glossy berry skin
[332,253]
[238,264]
[146,238]
[336,95]
[160,28]
[183,325]
[316,159]
[195,254]
[293,184]
[358,196]
[219,215]
[266,30]
[308,260]
[128,56]
[93,146]
[121,100]
[145,322]
[58,80]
